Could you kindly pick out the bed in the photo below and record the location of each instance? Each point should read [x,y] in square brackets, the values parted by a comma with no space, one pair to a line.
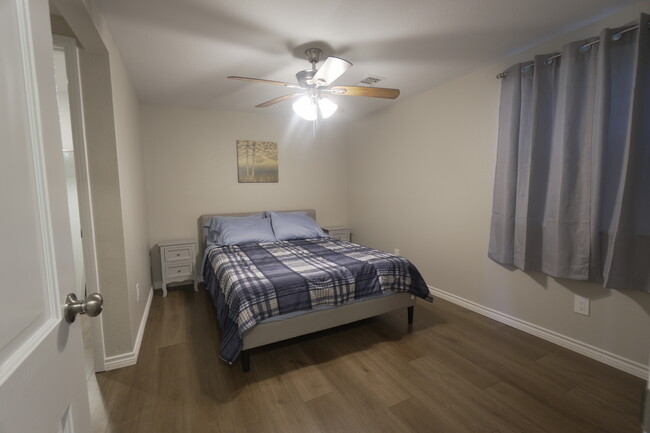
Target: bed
[258,292]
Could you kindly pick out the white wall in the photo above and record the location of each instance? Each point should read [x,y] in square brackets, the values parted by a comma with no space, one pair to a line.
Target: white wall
[131,190]
[421,177]
[130,159]
[191,169]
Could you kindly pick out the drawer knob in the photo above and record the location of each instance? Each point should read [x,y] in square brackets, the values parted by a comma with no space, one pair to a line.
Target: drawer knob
[178,254]
[178,271]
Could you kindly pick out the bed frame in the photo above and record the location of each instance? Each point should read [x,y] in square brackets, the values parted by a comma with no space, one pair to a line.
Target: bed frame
[278,330]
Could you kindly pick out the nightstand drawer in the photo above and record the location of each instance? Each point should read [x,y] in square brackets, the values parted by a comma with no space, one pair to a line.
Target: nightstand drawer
[176,254]
[343,235]
[177,271]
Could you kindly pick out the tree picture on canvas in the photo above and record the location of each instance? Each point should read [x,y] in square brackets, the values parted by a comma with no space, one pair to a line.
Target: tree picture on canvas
[257,161]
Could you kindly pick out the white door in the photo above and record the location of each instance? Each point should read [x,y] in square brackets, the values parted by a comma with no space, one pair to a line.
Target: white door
[42,383]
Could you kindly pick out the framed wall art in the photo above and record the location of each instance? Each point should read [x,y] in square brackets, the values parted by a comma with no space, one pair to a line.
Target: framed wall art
[257,161]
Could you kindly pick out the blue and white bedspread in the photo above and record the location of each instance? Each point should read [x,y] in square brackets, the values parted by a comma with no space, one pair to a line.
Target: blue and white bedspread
[252,282]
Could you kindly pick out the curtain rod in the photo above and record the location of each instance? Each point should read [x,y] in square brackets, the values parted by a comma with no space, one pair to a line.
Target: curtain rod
[583,48]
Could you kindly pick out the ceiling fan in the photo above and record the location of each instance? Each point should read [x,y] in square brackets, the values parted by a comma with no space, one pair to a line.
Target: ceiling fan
[314,84]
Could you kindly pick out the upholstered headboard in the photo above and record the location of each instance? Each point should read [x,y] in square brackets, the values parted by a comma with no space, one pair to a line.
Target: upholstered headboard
[204,218]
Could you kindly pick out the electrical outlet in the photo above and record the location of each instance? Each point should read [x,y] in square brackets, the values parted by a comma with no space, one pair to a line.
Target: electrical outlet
[396,251]
[581,305]
[137,291]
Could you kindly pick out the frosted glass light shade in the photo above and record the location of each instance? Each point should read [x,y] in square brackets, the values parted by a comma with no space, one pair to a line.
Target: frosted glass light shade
[327,107]
[306,108]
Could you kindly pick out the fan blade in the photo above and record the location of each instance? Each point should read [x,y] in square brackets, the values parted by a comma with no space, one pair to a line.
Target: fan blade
[333,68]
[276,100]
[259,80]
[373,92]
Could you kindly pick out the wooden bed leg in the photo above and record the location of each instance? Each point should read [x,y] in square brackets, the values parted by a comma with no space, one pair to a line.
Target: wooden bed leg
[410,313]
[246,360]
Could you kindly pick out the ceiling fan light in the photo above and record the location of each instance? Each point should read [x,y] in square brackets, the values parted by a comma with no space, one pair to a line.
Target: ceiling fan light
[327,107]
[304,108]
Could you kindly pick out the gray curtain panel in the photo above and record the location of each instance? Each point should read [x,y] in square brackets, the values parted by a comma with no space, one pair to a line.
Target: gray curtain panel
[572,182]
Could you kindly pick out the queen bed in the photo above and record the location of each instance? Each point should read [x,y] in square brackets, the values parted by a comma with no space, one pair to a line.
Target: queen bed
[276,275]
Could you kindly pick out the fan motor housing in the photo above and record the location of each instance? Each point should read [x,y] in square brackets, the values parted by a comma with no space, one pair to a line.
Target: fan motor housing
[313,55]
[304,77]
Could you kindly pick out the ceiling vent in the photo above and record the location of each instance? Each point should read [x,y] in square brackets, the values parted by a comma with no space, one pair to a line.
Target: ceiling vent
[370,80]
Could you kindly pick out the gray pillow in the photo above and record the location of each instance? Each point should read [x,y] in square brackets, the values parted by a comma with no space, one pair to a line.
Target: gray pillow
[238,232]
[213,227]
[294,225]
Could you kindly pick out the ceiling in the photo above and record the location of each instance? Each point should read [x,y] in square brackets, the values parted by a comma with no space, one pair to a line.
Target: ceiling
[179,52]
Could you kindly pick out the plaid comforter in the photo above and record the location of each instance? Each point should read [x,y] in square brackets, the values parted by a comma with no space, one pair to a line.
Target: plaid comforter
[252,282]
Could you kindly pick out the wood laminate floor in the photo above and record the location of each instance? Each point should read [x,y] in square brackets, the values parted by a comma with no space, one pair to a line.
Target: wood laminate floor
[453,371]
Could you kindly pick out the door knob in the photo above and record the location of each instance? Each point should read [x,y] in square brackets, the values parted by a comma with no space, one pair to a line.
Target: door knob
[92,306]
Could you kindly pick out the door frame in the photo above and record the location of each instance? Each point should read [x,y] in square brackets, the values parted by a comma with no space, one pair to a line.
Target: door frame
[69,46]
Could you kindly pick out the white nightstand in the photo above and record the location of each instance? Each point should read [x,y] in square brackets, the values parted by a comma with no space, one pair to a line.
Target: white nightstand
[177,262]
[339,232]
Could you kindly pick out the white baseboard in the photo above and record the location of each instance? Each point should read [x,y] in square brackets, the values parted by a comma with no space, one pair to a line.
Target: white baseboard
[131,358]
[635,368]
